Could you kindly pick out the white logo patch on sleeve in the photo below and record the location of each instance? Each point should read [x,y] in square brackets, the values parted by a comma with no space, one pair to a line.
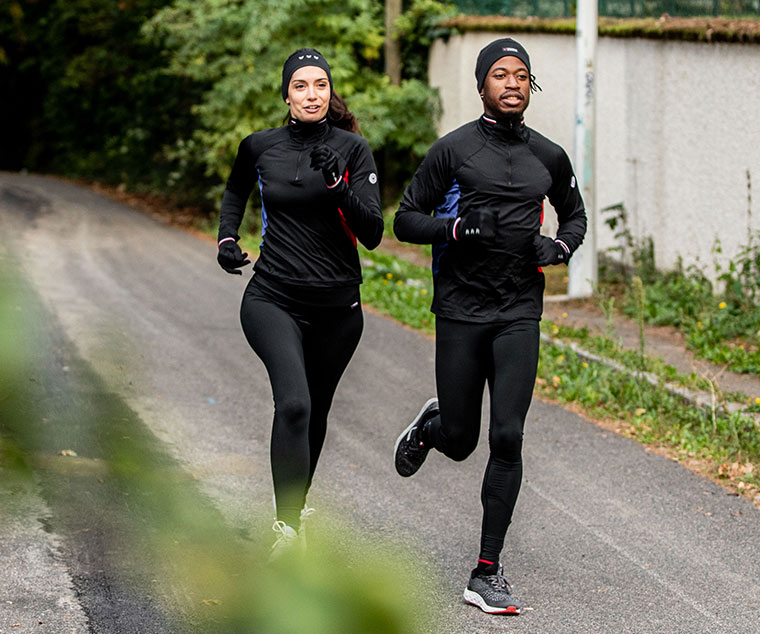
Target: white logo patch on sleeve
[572,183]
[373,178]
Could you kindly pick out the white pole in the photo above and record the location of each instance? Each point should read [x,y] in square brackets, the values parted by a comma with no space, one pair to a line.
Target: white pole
[582,275]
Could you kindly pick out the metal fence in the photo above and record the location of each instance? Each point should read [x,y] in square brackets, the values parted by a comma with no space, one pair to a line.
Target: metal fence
[613,8]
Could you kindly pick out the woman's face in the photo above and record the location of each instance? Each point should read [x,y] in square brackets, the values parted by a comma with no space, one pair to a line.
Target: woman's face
[309,94]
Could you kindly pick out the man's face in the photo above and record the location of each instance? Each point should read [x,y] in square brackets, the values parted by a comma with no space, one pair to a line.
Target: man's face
[506,90]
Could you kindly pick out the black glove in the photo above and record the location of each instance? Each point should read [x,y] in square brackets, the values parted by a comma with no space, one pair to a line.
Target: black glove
[231,258]
[476,225]
[324,158]
[549,251]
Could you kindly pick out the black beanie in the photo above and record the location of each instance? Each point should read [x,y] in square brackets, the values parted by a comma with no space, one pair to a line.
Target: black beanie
[303,57]
[505,47]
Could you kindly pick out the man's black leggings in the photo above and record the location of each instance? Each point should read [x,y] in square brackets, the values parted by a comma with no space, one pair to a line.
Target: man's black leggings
[305,351]
[505,355]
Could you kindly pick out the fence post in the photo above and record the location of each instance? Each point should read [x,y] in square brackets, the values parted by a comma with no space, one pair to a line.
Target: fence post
[582,275]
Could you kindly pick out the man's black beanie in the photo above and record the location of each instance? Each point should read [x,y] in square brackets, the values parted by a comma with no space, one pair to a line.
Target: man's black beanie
[505,47]
[303,57]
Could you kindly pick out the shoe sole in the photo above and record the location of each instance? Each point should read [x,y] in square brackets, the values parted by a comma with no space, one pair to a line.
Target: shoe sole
[421,413]
[475,599]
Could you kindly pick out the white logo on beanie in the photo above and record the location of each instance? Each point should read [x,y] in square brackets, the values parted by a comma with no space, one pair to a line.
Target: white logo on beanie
[510,49]
[308,56]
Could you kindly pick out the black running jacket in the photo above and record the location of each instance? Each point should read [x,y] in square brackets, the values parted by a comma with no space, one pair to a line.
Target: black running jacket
[506,170]
[309,232]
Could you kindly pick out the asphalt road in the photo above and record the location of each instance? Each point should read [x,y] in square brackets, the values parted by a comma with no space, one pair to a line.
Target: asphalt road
[138,319]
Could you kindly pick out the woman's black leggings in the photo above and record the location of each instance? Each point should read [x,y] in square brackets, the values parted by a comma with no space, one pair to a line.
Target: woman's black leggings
[505,355]
[305,352]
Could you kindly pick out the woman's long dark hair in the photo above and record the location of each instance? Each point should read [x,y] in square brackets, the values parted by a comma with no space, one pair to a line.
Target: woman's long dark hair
[340,116]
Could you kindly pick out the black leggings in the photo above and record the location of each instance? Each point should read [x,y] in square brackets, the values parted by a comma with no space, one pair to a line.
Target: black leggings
[305,351]
[505,355]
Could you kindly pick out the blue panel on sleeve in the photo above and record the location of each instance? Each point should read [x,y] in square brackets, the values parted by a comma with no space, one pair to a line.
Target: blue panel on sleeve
[449,208]
[263,210]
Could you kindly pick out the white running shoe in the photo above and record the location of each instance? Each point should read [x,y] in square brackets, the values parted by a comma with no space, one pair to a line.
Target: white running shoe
[287,540]
[306,513]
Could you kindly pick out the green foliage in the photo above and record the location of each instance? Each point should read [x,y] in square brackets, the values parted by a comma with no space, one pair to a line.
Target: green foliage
[157,95]
[721,326]
[92,99]
[237,49]
[417,28]
[14,370]
[742,279]
[350,580]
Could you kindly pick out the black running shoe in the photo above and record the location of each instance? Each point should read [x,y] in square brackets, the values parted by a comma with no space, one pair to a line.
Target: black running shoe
[492,594]
[410,452]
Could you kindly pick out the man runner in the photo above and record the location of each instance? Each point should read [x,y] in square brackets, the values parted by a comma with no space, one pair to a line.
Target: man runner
[478,198]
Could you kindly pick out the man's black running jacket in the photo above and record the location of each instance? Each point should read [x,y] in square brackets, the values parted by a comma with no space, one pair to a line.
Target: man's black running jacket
[308,231]
[502,169]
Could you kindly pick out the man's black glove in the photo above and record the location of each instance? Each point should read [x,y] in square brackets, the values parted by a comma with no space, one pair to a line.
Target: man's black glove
[476,225]
[549,251]
[231,257]
[324,158]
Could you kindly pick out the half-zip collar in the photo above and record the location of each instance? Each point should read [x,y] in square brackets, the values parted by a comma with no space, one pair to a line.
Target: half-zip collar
[509,130]
[304,136]
[305,132]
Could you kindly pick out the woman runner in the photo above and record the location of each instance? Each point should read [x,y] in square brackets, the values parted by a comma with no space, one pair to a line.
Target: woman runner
[301,310]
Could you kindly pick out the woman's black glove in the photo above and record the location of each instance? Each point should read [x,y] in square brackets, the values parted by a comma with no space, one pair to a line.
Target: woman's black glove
[549,251]
[324,158]
[231,257]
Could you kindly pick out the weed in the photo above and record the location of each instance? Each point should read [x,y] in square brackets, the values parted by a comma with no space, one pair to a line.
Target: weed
[607,305]
[647,412]
[639,303]
[721,327]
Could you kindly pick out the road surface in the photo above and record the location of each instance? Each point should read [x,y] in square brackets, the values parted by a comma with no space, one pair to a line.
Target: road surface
[139,321]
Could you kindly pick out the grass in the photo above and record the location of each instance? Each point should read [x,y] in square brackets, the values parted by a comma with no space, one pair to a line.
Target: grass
[722,444]
[721,326]
[608,348]
[398,288]
[726,444]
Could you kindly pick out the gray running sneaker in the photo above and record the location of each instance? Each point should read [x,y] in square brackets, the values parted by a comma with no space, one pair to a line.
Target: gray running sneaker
[492,594]
[409,452]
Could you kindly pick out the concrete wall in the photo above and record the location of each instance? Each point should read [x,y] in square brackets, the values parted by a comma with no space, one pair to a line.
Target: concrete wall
[678,127]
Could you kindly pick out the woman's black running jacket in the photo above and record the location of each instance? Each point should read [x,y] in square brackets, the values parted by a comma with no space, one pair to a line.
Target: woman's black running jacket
[309,232]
